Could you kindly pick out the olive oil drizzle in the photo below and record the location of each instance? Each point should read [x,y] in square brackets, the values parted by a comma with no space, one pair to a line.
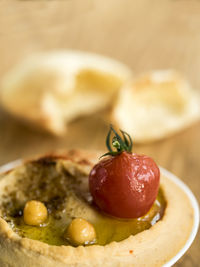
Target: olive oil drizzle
[108,229]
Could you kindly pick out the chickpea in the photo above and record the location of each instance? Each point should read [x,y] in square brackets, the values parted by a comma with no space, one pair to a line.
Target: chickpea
[35,213]
[80,232]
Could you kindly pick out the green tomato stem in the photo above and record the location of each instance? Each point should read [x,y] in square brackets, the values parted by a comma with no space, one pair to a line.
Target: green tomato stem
[119,143]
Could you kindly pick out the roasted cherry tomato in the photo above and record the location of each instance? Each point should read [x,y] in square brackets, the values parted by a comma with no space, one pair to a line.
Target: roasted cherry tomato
[124,184]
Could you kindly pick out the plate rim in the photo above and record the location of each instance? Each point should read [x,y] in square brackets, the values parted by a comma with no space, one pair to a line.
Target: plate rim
[195,207]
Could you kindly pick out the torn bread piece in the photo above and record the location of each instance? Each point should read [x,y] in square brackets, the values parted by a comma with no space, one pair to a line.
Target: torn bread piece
[51,89]
[156,105]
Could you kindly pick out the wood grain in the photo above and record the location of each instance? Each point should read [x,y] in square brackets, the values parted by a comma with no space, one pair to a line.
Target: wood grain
[143,34]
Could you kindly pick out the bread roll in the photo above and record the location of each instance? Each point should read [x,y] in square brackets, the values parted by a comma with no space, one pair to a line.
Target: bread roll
[52,89]
[156,105]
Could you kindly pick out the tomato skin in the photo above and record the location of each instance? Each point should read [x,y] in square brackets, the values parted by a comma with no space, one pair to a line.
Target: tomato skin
[126,185]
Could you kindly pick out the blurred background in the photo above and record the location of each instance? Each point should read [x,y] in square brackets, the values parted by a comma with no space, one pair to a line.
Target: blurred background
[143,34]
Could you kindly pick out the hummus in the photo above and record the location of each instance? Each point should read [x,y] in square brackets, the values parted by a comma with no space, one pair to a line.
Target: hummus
[151,246]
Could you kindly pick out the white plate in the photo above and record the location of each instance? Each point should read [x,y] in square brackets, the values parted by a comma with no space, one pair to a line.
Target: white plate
[174,179]
[195,206]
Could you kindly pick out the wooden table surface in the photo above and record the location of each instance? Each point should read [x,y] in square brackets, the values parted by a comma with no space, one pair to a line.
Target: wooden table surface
[144,34]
